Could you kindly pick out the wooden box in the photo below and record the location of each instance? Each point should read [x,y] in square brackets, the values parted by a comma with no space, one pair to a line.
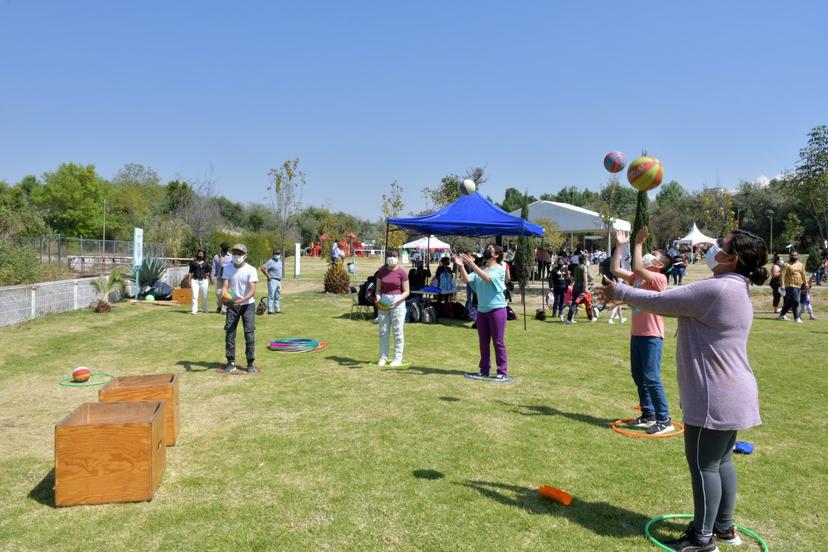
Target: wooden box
[183,296]
[110,452]
[156,387]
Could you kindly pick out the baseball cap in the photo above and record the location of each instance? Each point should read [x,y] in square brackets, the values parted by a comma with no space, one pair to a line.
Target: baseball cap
[241,247]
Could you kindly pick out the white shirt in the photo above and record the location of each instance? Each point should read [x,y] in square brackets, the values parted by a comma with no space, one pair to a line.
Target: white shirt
[240,279]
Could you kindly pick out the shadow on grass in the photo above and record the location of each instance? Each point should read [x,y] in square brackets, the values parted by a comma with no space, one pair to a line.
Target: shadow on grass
[44,491]
[542,410]
[423,371]
[598,517]
[449,399]
[189,365]
[346,361]
[356,317]
[428,474]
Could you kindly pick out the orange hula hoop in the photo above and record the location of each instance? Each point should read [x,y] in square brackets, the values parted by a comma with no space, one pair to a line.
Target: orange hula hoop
[639,434]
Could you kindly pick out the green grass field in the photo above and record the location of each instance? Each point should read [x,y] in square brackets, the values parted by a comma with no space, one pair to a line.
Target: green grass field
[323,452]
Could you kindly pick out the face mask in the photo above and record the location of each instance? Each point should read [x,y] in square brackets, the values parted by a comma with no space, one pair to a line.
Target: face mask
[391,261]
[200,257]
[710,257]
[239,259]
[648,260]
[487,254]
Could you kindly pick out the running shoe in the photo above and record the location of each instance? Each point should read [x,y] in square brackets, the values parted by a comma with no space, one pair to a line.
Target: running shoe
[660,428]
[690,542]
[382,362]
[229,368]
[728,537]
[642,422]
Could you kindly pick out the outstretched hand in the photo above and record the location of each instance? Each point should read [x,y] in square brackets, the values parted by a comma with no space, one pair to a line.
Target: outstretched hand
[606,293]
[622,237]
[642,235]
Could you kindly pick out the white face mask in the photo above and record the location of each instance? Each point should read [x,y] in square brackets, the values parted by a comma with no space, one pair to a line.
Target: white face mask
[710,257]
[648,260]
[391,261]
[239,259]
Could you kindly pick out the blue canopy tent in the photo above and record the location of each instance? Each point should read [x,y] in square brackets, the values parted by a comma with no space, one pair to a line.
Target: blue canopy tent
[471,215]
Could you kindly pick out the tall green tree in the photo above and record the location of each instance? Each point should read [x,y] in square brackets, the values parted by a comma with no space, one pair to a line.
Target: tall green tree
[513,200]
[71,200]
[449,189]
[392,206]
[793,230]
[808,184]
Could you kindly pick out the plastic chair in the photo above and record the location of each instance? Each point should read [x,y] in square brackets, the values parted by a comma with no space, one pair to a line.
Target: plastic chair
[366,311]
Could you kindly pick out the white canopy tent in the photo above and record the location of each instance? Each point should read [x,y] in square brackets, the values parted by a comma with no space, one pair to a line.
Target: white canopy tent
[427,242]
[695,237]
[573,220]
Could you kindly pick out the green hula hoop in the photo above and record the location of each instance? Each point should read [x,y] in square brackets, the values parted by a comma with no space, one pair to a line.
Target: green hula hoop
[67,381]
[659,519]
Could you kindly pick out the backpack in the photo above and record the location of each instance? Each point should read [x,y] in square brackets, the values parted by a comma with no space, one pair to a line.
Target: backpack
[429,315]
[458,311]
[413,312]
[262,307]
[540,314]
[511,314]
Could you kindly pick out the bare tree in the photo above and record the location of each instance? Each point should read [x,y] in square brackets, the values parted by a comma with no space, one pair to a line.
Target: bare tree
[200,211]
[285,195]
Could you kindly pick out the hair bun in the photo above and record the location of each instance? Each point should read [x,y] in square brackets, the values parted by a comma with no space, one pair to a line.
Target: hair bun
[758,276]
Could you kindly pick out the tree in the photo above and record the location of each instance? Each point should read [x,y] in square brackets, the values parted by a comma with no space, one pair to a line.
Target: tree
[17,215]
[793,230]
[449,189]
[392,206]
[513,200]
[71,200]
[524,262]
[670,194]
[199,210]
[285,193]
[808,184]
[553,238]
[717,212]
[179,193]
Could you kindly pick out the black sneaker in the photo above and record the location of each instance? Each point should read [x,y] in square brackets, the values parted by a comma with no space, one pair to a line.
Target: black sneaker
[642,422]
[229,368]
[250,369]
[218,309]
[660,428]
[501,377]
[476,375]
[690,542]
[727,537]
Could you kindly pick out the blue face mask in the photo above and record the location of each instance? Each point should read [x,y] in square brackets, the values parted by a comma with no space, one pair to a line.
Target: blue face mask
[710,257]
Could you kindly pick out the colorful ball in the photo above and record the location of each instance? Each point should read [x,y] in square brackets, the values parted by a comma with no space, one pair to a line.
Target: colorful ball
[615,161]
[384,304]
[645,173]
[229,296]
[149,298]
[468,186]
[81,374]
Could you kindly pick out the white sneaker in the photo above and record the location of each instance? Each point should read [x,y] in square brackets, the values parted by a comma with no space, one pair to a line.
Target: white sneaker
[781,317]
[562,317]
[375,320]
[570,322]
[396,363]
[623,320]
[610,321]
[594,319]
[382,361]
[799,321]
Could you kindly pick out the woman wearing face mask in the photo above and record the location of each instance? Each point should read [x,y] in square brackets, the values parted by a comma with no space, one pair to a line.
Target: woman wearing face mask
[200,279]
[392,284]
[719,395]
[489,284]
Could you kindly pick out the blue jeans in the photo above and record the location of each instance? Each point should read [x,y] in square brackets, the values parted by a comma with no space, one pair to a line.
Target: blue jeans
[274,294]
[645,359]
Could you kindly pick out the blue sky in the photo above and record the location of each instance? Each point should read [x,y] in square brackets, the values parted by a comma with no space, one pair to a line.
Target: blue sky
[370,92]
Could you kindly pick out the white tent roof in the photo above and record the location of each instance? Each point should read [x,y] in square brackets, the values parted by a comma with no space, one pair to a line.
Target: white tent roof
[426,242]
[570,218]
[696,237]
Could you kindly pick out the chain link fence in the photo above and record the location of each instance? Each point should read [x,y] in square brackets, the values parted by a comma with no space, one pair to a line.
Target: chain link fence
[58,248]
[27,302]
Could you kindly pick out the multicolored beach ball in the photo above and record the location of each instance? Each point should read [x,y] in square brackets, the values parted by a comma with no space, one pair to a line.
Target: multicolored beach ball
[81,374]
[645,173]
[615,161]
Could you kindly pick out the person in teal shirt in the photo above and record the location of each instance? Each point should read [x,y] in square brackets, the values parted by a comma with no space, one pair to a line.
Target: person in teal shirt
[489,284]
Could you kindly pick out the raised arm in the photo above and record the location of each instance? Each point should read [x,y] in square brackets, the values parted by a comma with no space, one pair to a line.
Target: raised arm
[691,301]
[638,259]
[621,239]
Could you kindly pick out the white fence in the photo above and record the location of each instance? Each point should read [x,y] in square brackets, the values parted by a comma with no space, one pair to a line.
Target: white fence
[27,302]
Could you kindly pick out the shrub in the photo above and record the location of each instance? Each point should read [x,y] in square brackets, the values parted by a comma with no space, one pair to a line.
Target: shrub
[18,264]
[814,259]
[336,279]
[149,273]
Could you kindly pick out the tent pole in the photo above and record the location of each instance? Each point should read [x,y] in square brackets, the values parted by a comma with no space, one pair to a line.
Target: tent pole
[543,289]
[385,245]
[523,298]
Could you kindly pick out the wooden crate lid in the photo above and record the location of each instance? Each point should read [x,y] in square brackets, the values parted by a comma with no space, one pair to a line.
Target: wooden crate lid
[151,380]
[112,413]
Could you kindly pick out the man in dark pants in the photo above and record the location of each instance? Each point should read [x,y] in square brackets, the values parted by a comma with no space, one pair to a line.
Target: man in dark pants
[240,279]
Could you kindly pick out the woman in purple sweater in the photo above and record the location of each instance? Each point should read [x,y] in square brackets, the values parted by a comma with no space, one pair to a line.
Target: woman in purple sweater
[718,392]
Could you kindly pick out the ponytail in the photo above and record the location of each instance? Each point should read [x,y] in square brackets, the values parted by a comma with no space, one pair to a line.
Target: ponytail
[751,253]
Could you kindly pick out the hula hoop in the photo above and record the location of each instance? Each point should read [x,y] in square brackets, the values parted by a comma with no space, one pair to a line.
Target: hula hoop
[629,433]
[741,528]
[405,364]
[67,381]
[306,350]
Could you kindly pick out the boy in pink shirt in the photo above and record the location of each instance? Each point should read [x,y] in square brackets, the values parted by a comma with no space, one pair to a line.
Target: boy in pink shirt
[647,332]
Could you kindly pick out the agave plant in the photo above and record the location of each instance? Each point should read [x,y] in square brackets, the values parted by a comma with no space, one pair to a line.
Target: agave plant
[105,285]
[149,272]
[337,279]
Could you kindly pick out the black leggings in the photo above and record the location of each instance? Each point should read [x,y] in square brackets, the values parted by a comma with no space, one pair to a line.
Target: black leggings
[775,284]
[558,305]
[710,459]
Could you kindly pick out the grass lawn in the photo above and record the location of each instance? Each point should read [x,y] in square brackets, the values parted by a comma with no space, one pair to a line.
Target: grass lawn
[323,452]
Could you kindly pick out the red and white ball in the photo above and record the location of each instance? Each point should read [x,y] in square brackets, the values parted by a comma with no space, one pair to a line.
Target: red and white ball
[81,374]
